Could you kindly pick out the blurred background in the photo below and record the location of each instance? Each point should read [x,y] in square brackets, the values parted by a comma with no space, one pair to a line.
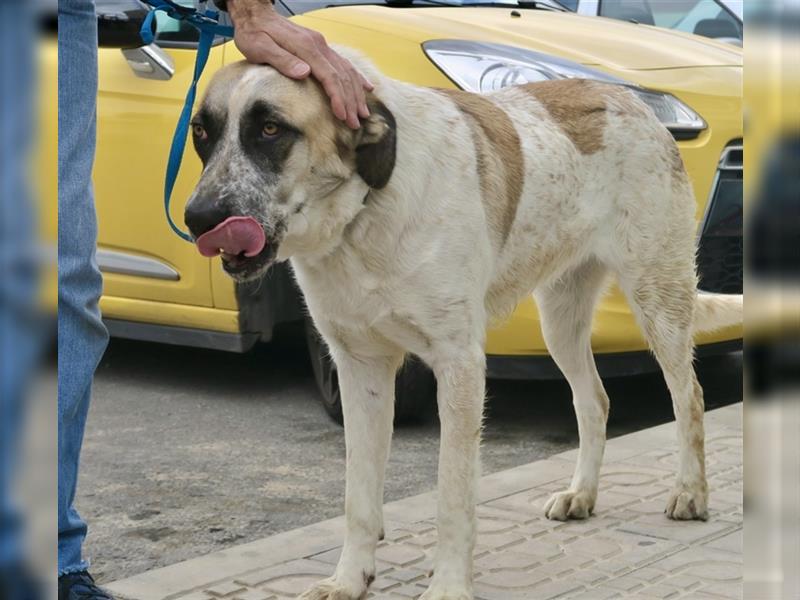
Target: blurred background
[28,437]
[772,305]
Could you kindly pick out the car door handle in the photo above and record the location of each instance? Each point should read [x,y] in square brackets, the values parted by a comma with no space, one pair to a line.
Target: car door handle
[150,62]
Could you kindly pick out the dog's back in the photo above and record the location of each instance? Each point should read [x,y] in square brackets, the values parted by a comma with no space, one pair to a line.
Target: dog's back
[603,180]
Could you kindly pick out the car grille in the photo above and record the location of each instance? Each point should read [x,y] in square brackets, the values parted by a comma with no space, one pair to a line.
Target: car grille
[720,249]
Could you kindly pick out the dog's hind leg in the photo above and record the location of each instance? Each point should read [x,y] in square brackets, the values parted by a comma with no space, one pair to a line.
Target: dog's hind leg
[461,384]
[662,295]
[367,387]
[566,308]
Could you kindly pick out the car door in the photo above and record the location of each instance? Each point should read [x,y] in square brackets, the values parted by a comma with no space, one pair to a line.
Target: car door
[143,261]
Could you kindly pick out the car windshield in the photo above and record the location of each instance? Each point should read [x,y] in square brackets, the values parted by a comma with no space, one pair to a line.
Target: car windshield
[703,10]
[296,7]
[709,18]
[532,4]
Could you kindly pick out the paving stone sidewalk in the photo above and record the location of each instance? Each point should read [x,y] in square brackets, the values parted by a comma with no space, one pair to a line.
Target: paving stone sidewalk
[628,549]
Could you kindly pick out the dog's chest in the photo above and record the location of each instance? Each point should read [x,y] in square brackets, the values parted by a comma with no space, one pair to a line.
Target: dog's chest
[365,308]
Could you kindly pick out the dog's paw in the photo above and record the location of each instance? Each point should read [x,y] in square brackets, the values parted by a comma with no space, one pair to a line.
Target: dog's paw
[335,588]
[687,503]
[444,592]
[569,505]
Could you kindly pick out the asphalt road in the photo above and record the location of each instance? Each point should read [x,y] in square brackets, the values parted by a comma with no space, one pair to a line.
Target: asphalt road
[190,451]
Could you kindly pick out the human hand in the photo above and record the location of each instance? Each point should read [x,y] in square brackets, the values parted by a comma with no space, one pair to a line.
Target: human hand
[264,36]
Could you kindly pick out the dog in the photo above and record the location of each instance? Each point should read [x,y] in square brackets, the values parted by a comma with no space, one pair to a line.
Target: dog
[433,220]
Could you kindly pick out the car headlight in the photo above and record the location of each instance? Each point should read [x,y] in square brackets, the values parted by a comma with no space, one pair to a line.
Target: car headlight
[484,67]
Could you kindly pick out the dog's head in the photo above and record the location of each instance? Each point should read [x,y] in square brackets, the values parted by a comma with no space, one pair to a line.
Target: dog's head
[282,176]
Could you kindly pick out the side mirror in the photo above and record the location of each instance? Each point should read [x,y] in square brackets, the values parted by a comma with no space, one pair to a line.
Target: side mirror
[119,23]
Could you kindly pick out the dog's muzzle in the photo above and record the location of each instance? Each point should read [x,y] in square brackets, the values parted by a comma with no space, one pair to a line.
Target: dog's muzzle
[239,239]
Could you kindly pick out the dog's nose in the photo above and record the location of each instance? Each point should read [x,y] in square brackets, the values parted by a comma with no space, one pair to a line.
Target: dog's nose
[203,215]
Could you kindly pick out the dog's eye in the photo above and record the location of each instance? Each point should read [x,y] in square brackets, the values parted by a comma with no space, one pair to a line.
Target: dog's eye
[199,131]
[270,129]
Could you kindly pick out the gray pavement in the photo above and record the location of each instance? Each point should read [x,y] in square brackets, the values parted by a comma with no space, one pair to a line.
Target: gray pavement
[189,452]
[628,549]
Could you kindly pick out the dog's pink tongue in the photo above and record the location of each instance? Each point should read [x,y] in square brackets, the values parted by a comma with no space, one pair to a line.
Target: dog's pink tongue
[233,236]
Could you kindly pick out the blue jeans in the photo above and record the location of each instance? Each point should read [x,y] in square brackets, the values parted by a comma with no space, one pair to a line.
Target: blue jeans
[82,337]
[19,321]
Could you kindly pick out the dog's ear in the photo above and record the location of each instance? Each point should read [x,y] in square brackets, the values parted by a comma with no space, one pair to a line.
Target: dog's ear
[376,151]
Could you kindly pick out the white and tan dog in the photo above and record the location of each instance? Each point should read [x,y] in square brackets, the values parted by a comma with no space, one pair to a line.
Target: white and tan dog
[440,214]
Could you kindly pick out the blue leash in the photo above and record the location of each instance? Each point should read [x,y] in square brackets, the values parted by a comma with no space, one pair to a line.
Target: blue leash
[207,24]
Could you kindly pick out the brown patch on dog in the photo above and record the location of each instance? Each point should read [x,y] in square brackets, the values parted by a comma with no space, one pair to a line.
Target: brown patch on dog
[579,108]
[500,162]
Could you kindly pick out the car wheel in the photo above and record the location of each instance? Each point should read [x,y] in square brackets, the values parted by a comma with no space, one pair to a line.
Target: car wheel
[415,386]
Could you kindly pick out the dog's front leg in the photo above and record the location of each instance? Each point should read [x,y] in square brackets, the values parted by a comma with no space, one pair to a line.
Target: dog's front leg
[461,383]
[367,388]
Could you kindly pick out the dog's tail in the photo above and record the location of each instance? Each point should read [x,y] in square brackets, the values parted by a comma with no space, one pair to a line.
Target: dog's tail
[716,311]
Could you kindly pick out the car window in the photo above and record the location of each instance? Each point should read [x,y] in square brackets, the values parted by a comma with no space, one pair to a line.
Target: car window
[174,32]
[701,17]
[708,18]
[628,10]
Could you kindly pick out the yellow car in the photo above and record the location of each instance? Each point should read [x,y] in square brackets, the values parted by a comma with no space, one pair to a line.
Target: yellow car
[158,287]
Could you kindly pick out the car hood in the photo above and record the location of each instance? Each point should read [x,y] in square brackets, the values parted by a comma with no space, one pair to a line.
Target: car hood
[595,41]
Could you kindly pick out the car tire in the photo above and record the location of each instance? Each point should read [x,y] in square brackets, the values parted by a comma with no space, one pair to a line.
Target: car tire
[415,386]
